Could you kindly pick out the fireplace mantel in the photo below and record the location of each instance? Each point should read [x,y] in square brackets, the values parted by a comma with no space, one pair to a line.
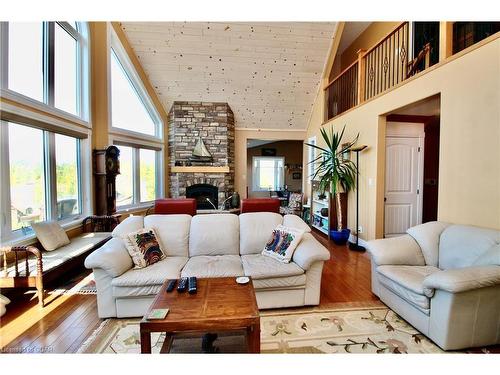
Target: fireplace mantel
[199,169]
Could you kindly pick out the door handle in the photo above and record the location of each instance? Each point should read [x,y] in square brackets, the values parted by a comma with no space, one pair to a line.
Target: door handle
[385,199]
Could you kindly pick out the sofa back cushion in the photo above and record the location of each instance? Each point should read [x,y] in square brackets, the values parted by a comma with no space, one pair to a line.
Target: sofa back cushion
[172,232]
[129,225]
[461,245]
[256,229]
[294,221]
[427,236]
[214,234]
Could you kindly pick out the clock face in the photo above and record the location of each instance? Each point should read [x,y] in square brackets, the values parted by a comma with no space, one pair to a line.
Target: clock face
[112,160]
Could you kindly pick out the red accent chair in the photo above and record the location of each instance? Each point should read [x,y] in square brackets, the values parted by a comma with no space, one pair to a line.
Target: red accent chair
[260,205]
[170,206]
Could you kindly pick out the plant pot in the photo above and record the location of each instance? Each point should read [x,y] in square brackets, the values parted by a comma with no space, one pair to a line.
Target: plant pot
[340,237]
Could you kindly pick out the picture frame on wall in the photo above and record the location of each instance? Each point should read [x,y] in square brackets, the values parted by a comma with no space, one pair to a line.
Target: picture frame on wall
[296,175]
[268,152]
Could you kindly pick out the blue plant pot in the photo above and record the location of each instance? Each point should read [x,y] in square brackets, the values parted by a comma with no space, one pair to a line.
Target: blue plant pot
[340,237]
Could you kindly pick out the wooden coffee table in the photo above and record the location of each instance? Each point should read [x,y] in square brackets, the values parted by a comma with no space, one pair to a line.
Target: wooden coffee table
[219,305]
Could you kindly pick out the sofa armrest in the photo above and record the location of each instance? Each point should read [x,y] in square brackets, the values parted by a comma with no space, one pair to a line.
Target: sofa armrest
[309,251]
[462,279]
[112,257]
[402,250]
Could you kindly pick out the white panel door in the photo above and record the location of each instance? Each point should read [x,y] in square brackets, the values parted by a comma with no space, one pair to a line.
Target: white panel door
[403,175]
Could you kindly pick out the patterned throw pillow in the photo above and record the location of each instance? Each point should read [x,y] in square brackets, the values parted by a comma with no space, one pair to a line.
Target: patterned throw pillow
[282,243]
[143,247]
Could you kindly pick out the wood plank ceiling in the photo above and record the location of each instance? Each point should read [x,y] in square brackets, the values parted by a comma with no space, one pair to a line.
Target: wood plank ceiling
[267,72]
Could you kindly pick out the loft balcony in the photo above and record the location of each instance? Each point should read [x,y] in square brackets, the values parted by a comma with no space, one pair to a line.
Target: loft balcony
[408,49]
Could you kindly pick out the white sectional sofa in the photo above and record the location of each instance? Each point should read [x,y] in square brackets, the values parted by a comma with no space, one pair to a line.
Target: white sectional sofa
[443,279]
[214,245]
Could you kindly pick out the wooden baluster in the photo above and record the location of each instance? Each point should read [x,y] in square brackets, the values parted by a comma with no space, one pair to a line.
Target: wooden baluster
[27,269]
[361,76]
[16,265]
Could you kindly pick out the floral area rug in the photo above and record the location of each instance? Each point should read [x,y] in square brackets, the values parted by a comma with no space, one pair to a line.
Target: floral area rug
[361,330]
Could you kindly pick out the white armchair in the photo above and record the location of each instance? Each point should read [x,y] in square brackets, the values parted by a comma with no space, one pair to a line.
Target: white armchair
[443,279]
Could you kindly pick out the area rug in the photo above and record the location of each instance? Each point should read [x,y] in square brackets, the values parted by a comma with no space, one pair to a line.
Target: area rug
[360,330]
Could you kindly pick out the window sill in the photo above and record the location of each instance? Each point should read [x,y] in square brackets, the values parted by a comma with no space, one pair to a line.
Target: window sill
[134,209]
[30,239]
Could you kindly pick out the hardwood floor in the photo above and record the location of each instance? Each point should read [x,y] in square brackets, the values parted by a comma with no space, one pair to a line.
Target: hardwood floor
[69,317]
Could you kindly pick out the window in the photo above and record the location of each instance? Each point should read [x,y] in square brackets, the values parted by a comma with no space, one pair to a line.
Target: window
[130,108]
[147,174]
[25,64]
[138,181]
[27,176]
[67,176]
[267,173]
[43,180]
[125,180]
[47,62]
[311,155]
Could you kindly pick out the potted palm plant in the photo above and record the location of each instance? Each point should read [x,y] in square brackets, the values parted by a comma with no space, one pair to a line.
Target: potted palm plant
[336,174]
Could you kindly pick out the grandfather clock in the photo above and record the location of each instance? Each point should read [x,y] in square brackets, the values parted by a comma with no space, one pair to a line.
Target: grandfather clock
[106,167]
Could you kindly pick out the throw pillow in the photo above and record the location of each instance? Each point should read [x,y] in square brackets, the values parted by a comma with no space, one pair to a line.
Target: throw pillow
[50,234]
[144,247]
[282,243]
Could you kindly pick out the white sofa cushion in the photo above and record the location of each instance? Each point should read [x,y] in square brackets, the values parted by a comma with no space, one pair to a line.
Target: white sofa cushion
[129,225]
[213,266]
[461,245]
[490,257]
[296,281]
[255,230]
[172,232]
[214,234]
[294,221]
[156,274]
[258,266]
[427,236]
[50,234]
[407,282]
[136,291]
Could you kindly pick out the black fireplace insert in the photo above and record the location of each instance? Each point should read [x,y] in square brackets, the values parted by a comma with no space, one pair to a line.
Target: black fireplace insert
[201,192]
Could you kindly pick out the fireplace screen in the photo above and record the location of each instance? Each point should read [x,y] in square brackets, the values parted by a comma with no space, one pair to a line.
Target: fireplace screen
[202,192]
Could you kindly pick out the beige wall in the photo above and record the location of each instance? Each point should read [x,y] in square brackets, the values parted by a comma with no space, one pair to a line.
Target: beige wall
[469,163]
[367,39]
[241,138]
[291,151]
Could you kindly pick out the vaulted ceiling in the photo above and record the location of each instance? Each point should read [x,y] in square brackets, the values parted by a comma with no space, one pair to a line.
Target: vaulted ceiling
[268,73]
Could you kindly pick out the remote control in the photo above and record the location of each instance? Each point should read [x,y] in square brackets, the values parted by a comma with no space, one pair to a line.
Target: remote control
[192,285]
[171,285]
[182,286]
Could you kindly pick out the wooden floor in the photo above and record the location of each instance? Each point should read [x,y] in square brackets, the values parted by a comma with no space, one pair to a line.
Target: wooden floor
[69,318]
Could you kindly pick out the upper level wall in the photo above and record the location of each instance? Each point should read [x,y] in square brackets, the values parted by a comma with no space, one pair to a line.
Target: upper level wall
[469,171]
[367,39]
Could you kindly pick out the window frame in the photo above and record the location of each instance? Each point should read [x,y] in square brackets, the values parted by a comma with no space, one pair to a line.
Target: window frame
[159,182]
[311,155]
[140,90]
[81,35]
[255,187]
[14,237]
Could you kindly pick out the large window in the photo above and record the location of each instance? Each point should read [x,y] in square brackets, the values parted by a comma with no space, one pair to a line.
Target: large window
[43,180]
[138,181]
[128,111]
[46,62]
[267,173]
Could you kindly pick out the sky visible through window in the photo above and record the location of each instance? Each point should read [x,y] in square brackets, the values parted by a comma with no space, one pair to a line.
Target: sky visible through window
[127,111]
[65,69]
[25,58]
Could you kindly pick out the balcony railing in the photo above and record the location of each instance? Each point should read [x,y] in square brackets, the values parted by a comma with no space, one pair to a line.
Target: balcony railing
[376,70]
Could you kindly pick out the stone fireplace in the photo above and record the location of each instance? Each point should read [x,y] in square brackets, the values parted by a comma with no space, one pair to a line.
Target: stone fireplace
[213,123]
